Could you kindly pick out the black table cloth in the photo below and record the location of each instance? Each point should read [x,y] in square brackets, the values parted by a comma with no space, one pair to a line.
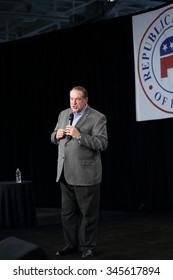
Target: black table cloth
[17,207]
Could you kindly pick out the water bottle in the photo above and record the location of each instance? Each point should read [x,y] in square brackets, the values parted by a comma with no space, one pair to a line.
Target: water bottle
[18,176]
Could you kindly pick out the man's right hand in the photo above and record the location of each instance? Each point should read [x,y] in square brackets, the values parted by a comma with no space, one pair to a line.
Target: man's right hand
[60,133]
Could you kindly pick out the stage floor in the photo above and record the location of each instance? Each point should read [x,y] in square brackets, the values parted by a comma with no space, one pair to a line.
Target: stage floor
[121,236]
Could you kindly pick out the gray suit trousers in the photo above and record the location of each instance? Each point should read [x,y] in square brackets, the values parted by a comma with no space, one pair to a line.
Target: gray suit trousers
[80,209]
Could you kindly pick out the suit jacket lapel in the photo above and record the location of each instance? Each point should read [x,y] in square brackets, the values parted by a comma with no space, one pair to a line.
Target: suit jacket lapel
[83,118]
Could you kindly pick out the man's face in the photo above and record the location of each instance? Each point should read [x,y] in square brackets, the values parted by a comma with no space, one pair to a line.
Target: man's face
[77,100]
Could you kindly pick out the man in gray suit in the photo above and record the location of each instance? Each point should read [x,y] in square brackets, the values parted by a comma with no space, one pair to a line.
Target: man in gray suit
[81,134]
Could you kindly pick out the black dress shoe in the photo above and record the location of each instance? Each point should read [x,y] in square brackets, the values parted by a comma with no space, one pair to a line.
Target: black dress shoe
[87,254]
[66,251]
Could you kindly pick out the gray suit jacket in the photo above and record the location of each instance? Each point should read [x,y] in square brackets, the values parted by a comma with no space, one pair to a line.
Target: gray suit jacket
[81,159]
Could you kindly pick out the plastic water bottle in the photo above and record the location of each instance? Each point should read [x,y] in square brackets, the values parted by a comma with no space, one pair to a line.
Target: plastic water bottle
[18,176]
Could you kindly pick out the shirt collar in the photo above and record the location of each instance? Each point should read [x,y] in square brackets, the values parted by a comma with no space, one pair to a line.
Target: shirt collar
[81,112]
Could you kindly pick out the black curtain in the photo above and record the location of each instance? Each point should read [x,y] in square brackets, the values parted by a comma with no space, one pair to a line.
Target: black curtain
[36,75]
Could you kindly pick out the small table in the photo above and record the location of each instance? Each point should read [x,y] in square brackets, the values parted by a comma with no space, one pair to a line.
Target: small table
[17,207]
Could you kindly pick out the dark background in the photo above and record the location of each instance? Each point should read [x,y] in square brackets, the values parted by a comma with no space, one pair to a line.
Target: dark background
[36,75]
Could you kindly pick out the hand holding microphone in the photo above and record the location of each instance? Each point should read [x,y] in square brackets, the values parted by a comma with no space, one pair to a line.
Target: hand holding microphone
[72,131]
[61,132]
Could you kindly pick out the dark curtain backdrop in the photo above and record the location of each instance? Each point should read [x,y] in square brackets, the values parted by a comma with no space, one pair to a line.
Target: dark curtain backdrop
[36,75]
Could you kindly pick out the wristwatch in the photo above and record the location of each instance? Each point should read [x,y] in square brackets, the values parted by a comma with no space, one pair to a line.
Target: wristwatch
[79,138]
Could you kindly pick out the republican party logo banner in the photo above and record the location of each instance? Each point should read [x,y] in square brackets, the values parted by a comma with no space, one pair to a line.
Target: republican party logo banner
[153,58]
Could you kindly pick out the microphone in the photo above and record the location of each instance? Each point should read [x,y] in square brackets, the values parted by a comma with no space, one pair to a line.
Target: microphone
[71,117]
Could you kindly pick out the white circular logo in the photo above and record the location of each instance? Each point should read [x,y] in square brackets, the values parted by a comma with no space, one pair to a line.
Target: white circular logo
[155,62]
